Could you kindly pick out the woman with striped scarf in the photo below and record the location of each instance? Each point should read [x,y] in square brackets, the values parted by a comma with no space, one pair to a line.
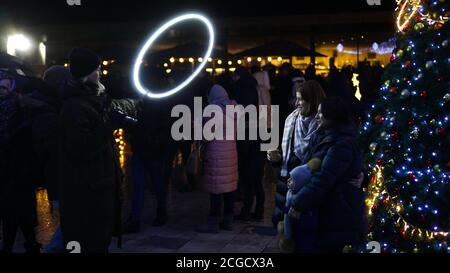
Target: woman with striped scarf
[300,126]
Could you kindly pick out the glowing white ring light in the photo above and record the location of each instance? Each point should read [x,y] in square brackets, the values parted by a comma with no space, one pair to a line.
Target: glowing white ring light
[152,39]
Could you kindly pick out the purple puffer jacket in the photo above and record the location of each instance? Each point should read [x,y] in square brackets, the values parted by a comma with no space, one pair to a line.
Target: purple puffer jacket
[220,161]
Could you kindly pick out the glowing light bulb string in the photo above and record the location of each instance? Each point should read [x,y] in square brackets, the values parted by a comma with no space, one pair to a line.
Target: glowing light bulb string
[377,190]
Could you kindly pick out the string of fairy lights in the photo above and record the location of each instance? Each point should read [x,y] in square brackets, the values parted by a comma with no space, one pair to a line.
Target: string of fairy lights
[377,191]
[220,63]
[121,144]
[410,9]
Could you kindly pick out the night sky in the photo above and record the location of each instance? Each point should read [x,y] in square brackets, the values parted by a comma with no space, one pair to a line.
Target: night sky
[44,12]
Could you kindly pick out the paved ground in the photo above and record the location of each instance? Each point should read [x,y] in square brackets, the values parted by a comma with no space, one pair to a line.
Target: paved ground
[186,211]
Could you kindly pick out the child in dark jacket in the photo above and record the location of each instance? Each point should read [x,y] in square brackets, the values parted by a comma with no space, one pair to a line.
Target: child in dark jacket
[299,177]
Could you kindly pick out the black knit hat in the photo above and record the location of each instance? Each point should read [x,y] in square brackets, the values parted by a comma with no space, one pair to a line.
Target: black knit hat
[83,62]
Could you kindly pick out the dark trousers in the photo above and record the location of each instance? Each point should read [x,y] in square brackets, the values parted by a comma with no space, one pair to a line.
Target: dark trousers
[306,232]
[250,176]
[19,211]
[216,204]
[156,170]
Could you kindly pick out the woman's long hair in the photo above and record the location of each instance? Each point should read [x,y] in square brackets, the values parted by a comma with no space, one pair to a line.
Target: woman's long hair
[313,94]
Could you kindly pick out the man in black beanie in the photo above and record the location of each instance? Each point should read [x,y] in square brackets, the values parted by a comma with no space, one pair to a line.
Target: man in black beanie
[90,175]
[83,62]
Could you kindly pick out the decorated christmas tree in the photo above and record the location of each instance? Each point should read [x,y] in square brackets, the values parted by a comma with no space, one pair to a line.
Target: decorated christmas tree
[407,135]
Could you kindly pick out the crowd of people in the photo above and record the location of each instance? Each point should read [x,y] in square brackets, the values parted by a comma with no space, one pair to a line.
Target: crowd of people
[59,135]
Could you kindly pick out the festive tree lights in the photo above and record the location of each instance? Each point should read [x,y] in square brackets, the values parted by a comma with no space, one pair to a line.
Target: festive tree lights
[408,9]
[407,135]
[121,144]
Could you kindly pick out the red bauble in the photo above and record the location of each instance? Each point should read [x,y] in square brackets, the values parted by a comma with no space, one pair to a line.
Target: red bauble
[428,163]
[385,202]
[395,135]
[442,132]
[393,58]
[411,123]
[424,94]
[380,162]
[411,177]
[408,64]
[379,119]
[393,90]
[403,233]
[440,79]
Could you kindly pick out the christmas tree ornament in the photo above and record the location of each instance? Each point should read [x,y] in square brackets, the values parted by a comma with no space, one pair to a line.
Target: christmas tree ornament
[399,53]
[411,123]
[429,65]
[408,65]
[380,162]
[411,177]
[415,134]
[403,234]
[405,94]
[384,135]
[419,26]
[373,146]
[447,97]
[433,122]
[442,132]
[393,58]
[393,90]
[435,15]
[424,94]
[445,43]
[395,135]
[379,119]
[437,168]
[438,26]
